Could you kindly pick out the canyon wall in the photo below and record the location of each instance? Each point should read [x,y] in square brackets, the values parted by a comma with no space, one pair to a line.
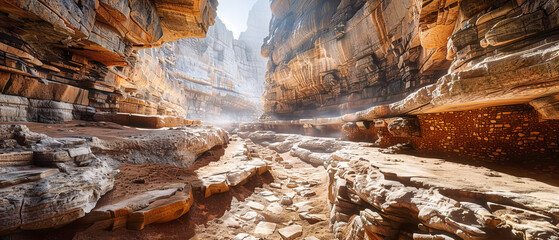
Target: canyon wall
[330,58]
[94,60]
[466,78]
[217,78]
[62,60]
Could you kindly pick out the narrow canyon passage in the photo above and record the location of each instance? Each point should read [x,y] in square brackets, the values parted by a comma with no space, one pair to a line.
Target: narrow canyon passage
[279,119]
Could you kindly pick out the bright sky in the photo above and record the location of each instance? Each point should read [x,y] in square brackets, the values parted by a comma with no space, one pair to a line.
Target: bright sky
[234,14]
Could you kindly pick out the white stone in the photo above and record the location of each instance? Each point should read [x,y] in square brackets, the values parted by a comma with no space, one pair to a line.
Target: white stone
[256,206]
[249,216]
[291,232]
[271,198]
[265,228]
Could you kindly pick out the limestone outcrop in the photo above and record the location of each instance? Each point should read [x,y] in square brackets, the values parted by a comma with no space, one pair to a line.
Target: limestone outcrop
[160,202]
[47,182]
[391,58]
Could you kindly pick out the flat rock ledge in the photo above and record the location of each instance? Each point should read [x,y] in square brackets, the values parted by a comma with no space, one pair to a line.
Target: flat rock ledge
[179,146]
[49,182]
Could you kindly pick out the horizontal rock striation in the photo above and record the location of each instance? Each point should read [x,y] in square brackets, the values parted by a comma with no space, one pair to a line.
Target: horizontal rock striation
[69,59]
[159,202]
[512,133]
[47,182]
[390,58]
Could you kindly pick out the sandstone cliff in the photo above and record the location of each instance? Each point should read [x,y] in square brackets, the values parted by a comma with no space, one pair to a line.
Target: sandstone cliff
[67,60]
[339,57]
[63,60]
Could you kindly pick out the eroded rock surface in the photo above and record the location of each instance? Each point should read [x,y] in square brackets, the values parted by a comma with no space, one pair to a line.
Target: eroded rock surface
[69,59]
[155,193]
[47,182]
[86,60]
[407,57]
[377,196]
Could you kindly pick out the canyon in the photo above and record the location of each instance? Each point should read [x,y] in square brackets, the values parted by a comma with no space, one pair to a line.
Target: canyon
[324,119]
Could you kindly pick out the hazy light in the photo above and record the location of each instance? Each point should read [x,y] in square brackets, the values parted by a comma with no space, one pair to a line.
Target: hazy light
[234,14]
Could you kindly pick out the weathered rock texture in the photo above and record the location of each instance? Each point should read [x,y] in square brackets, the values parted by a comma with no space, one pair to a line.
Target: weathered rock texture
[409,57]
[463,77]
[374,195]
[47,182]
[159,202]
[63,60]
[492,134]
[179,146]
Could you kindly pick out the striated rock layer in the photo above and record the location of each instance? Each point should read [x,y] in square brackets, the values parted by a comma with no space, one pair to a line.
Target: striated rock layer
[410,57]
[62,60]
[465,78]
[47,182]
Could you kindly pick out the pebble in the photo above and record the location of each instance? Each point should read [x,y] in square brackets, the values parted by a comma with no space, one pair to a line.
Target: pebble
[312,218]
[292,184]
[266,193]
[271,198]
[286,200]
[249,216]
[232,223]
[307,193]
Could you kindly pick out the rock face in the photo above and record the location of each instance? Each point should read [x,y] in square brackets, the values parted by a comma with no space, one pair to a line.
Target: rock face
[373,195]
[462,78]
[47,182]
[64,59]
[408,57]
[217,78]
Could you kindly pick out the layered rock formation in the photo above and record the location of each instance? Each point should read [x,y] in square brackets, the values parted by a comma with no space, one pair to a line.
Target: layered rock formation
[64,60]
[338,57]
[179,146]
[373,195]
[470,79]
[89,60]
[217,78]
[47,182]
